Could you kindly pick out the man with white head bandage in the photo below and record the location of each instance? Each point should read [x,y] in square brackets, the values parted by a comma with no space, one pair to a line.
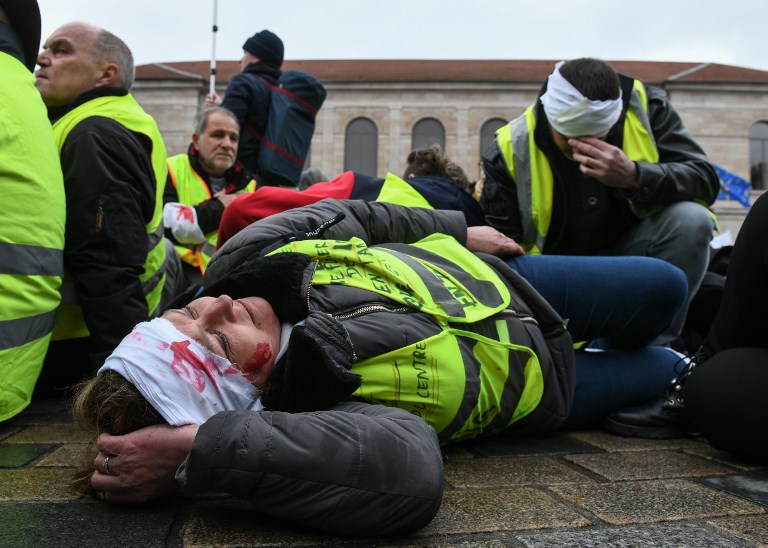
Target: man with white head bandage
[601,164]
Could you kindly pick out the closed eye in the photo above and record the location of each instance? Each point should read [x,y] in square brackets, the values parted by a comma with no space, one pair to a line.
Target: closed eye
[224,342]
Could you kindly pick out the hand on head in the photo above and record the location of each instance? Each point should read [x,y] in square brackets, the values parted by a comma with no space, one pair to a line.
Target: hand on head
[141,466]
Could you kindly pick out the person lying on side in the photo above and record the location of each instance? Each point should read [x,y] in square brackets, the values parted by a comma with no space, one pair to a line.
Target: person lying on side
[342,301]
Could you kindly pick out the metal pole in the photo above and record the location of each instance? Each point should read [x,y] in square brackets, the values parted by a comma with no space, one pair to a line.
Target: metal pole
[213,49]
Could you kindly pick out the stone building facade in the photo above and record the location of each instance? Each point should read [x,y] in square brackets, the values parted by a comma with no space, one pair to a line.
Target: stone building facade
[383,108]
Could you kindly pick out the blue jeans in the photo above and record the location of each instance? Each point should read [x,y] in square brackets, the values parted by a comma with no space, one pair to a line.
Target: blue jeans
[679,234]
[620,305]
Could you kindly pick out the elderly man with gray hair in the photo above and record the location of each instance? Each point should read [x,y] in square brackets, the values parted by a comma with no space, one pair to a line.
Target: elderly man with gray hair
[117,264]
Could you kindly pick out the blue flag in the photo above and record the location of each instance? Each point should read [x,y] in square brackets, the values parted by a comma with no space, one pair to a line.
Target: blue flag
[732,187]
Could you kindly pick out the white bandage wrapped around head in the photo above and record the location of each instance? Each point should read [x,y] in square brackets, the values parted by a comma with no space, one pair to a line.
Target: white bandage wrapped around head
[573,115]
[184,381]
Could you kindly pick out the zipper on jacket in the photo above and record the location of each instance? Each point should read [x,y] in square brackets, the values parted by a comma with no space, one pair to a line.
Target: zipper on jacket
[522,317]
[368,309]
[313,266]
[552,332]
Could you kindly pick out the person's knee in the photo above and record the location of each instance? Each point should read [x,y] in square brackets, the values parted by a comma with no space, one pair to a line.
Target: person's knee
[688,221]
[666,285]
[673,286]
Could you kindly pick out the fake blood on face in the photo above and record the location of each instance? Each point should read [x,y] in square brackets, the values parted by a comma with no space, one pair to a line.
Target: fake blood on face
[198,370]
[260,356]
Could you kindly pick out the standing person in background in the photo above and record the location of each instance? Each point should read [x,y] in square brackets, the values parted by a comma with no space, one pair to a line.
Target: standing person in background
[602,165]
[201,184]
[118,266]
[248,93]
[32,228]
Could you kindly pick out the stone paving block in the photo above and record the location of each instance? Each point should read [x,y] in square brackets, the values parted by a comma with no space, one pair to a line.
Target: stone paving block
[752,486]
[36,484]
[229,523]
[633,465]
[15,455]
[658,536]
[456,451]
[442,542]
[7,430]
[750,528]
[499,472]
[639,502]
[503,445]
[50,411]
[50,433]
[51,525]
[491,510]
[69,456]
[611,442]
[708,452]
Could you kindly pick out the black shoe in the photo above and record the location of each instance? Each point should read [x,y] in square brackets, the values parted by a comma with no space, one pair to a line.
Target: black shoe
[660,418]
[663,417]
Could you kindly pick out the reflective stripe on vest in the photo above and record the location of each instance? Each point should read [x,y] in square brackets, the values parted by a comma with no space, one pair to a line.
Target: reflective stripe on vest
[31,235]
[463,383]
[191,190]
[127,112]
[532,173]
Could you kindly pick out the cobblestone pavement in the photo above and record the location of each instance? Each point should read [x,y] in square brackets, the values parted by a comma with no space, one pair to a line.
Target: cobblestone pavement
[569,489]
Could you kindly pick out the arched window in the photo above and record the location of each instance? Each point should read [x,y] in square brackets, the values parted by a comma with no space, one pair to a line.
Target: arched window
[361,145]
[758,155]
[488,133]
[428,132]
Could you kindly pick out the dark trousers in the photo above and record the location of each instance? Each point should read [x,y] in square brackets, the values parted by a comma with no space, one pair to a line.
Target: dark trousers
[726,394]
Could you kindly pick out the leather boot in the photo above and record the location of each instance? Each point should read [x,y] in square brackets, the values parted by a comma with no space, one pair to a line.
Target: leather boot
[662,417]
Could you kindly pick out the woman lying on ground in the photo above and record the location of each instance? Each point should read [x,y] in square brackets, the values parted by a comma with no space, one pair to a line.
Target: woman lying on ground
[366,304]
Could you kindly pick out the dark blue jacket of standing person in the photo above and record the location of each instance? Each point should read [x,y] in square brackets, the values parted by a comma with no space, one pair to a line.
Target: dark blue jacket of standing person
[248,95]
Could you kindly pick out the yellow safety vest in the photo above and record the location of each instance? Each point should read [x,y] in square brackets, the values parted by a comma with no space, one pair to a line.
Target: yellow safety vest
[31,235]
[191,190]
[70,323]
[394,190]
[461,393]
[532,173]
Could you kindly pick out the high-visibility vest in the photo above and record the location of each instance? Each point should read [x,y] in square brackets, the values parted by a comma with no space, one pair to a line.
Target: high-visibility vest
[31,235]
[191,190]
[126,111]
[532,173]
[396,191]
[460,381]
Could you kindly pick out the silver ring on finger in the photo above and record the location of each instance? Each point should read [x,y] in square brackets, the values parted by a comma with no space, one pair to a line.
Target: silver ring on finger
[105,465]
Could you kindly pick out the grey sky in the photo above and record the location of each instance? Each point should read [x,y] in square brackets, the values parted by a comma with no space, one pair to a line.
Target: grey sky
[729,32]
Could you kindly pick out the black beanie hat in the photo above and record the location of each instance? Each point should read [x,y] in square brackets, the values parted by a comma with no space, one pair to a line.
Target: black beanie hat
[24,16]
[266,46]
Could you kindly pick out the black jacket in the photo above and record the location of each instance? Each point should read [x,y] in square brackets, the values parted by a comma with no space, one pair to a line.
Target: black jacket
[598,214]
[248,96]
[110,188]
[355,469]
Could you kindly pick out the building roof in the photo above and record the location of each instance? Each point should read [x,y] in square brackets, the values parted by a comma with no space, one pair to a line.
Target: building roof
[519,71]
